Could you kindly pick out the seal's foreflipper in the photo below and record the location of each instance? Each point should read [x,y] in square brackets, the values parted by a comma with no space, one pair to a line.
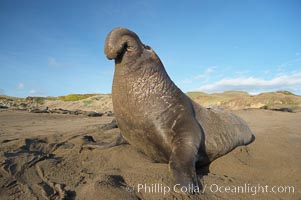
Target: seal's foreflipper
[184,156]
[182,167]
[90,143]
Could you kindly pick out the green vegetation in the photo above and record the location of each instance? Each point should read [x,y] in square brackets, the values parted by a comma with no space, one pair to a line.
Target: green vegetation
[192,94]
[39,100]
[87,102]
[286,92]
[233,93]
[228,99]
[51,98]
[240,99]
[75,97]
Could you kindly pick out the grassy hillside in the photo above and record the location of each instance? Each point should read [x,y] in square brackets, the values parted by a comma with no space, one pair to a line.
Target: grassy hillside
[240,100]
[103,102]
[74,97]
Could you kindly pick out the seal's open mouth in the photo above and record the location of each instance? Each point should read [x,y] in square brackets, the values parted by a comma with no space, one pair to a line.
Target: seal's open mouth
[121,53]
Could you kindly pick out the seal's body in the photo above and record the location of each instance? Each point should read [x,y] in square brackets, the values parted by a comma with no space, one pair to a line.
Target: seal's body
[157,118]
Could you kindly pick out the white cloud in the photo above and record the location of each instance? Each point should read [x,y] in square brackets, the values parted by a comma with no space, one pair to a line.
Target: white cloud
[52,62]
[211,69]
[266,71]
[32,91]
[56,63]
[291,82]
[289,63]
[240,73]
[186,81]
[204,77]
[21,85]
[36,92]
[206,74]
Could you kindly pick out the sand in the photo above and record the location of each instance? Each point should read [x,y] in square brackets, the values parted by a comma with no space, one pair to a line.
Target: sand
[41,158]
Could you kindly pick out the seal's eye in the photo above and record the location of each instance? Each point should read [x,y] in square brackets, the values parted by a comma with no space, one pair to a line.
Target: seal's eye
[130,48]
[147,47]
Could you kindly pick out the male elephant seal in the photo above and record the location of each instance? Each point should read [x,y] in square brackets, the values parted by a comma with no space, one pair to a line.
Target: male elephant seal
[157,118]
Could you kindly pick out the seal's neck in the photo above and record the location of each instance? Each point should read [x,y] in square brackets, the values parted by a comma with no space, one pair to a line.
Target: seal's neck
[141,82]
[145,69]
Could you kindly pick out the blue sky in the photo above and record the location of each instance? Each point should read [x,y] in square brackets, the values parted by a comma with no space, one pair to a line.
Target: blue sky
[52,48]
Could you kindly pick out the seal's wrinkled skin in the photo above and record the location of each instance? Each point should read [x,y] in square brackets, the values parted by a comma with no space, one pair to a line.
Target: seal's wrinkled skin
[158,119]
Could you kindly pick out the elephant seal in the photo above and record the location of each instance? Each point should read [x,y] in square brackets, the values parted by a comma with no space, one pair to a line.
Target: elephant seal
[158,119]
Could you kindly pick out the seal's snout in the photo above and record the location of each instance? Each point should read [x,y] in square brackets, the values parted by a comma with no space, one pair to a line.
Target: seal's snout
[120,40]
